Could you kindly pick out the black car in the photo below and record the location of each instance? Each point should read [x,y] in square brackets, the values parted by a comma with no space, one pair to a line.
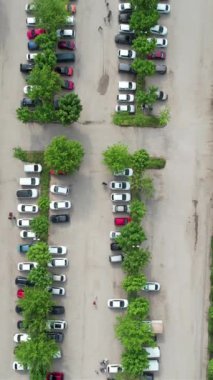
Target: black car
[115,247]
[18,309]
[56,310]
[124,18]
[27,102]
[20,280]
[148,376]
[26,67]
[20,325]
[26,193]
[57,336]
[63,218]
[126,68]
[125,39]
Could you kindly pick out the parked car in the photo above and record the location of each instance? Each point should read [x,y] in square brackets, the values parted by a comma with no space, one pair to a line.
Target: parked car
[123,185]
[30,22]
[160,42]
[23,223]
[58,263]
[23,248]
[29,181]
[29,8]
[116,259]
[27,102]
[159,30]
[64,70]
[117,303]
[70,20]
[33,33]
[126,86]
[32,168]
[125,8]
[121,197]
[114,368]
[55,376]
[18,309]
[27,89]
[124,17]
[31,56]
[70,8]
[153,352]
[115,247]
[63,218]
[128,98]
[122,221]
[125,28]
[27,234]
[163,8]
[125,39]
[20,293]
[114,234]
[68,45]
[23,281]
[54,324]
[126,68]
[19,367]
[27,193]
[123,209]
[58,189]
[59,277]
[57,291]
[57,249]
[60,205]
[153,366]
[126,54]
[65,33]
[158,54]
[26,266]
[27,208]
[160,69]
[130,108]
[56,336]
[161,95]
[26,67]
[68,85]
[32,46]
[20,325]
[151,287]
[128,172]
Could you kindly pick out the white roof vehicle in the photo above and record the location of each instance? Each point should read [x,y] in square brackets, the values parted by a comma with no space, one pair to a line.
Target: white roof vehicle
[114,234]
[121,209]
[159,30]
[57,291]
[161,95]
[126,86]
[26,266]
[58,263]
[128,172]
[27,89]
[57,249]
[114,368]
[70,20]
[125,28]
[124,7]
[126,54]
[27,208]
[31,56]
[153,352]
[130,108]
[29,181]
[63,33]
[57,355]
[163,8]
[123,185]
[151,287]
[125,98]
[160,42]
[27,234]
[21,337]
[121,197]
[23,222]
[32,168]
[58,189]
[29,8]
[31,21]
[117,303]
[59,277]
[153,366]
[19,367]
[54,324]
[60,205]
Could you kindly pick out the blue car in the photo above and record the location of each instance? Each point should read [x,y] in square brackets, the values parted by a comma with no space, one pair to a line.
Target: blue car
[23,248]
[32,45]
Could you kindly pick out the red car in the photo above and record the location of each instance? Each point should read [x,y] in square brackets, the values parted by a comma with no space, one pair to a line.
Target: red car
[68,45]
[157,55]
[68,85]
[57,172]
[71,8]
[55,376]
[20,293]
[122,221]
[33,33]
[64,70]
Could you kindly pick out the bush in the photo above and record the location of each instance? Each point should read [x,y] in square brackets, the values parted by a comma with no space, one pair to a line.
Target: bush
[147,187]
[20,154]
[138,120]
[156,163]
[43,204]
[210,370]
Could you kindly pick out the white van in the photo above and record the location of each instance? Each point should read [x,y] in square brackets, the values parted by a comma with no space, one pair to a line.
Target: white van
[153,352]
[153,366]
[29,181]
[126,86]
[116,259]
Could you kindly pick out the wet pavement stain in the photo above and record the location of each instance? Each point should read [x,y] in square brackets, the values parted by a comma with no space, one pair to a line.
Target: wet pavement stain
[195,222]
[103,84]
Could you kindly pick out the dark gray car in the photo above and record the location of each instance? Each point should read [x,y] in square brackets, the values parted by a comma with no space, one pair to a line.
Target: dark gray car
[125,68]
[160,69]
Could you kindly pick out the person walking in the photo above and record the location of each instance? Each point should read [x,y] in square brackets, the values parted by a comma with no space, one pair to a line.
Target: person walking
[104,183]
[100,28]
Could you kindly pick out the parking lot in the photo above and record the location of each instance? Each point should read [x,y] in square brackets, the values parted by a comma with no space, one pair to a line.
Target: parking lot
[178,222]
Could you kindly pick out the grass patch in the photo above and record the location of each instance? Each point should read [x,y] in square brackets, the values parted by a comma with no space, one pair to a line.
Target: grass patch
[123,119]
[156,163]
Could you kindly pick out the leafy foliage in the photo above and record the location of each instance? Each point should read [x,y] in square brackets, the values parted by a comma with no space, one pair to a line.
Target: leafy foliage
[134,361]
[132,235]
[20,154]
[143,47]
[47,41]
[45,83]
[40,225]
[139,160]
[137,210]
[143,67]
[44,203]
[147,187]
[164,116]
[156,163]
[148,97]
[69,109]
[210,370]
[133,332]
[41,277]
[138,308]
[133,283]
[140,22]
[40,253]
[51,14]
[135,261]
[46,59]
[116,157]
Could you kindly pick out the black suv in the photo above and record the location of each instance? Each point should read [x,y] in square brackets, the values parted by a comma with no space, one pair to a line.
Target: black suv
[63,218]
[20,280]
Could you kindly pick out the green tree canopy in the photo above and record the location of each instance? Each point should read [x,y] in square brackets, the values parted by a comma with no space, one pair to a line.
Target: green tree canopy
[134,361]
[64,154]
[133,332]
[139,160]
[116,157]
[143,47]
[137,210]
[135,260]
[50,14]
[147,97]
[47,58]
[132,235]
[142,23]
[40,225]
[41,277]
[143,67]
[134,283]
[69,109]
[40,253]
[138,308]
[46,83]
[47,41]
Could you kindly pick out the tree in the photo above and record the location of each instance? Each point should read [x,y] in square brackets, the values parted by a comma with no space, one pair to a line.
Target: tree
[132,235]
[147,187]
[40,277]
[143,47]
[136,181]
[44,204]
[164,116]
[138,308]
[46,58]
[137,210]
[210,370]
[143,67]
[69,109]
[45,113]
[39,253]
[133,332]
[47,41]
[140,22]
[50,14]
[147,6]
[135,260]
[64,154]
[40,225]
[116,157]
[134,283]
[139,160]
[148,97]
[25,115]
[134,361]
[46,83]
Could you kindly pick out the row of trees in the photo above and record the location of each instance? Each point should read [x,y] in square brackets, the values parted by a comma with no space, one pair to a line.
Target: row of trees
[51,15]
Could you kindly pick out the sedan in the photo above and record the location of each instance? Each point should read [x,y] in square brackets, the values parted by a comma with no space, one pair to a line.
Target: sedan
[29,8]
[58,263]
[151,287]
[159,30]
[27,193]
[122,221]
[26,67]
[128,172]
[23,281]
[115,185]
[160,69]
[124,18]
[125,28]
[161,95]
[29,181]
[33,33]
[126,54]
[59,277]
[121,197]
[125,39]
[57,310]
[114,368]
[19,367]
[68,85]
[27,89]
[26,266]
[21,337]
[114,234]
[55,376]
[60,205]
[68,45]
[23,223]
[160,42]
[65,33]
[121,209]
[23,248]
[130,108]
[32,168]
[64,70]
[57,249]
[31,56]
[27,102]
[63,218]
[159,55]
[117,303]
[27,234]
[129,98]
[115,247]
[57,291]
[32,46]
[30,22]
[56,325]
[27,208]
[58,189]
[20,293]
[163,8]
[125,8]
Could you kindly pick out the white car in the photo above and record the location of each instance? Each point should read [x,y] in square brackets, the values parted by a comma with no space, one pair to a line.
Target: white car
[117,303]
[27,234]
[57,291]
[26,266]
[54,324]
[29,8]
[58,263]
[163,8]
[31,56]
[123,185]
[65,33]
[57,249]
[128,172]
[121,209]
[121,197]
[127,86]
[151,287]
[32,168]
[19,367]
[23,223]
[57,355]
[59,277]
[160,30]
[153,366]
[27,89]
[70,20]
[130,108]
[161,95]
[129,98]
[21,337]
[58,189]
[126,54]
[31,21]
[124,7]
[125,28]
[60,205]
[27,208]
[114,368]
[153,352]
[114,234]
[29,181]
[160,42]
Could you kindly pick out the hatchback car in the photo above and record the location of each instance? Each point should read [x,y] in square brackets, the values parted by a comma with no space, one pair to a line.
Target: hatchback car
[160,69]
[20,293]
[125,8]
[123,185]
[27,102]
[27,234]
[117,303]
[125,28]
[31,56]
[29,8]
[57,310]
[57,291]
[127,86]
[60,205]
[29,181]
[114,234]
[32,168]
[23,223]
[26,67]
[27,208]
[68,85]
[121,209]
[58,263]
[159,30]
[19,367]
[128,172]
[158,55]
[126,68]
[122,221]
[68,45]
[23,281]
[128,98]
[64,70]
[124,18]
[163,8]
[114,368]
[121,197]
[126,54]
[26,266]
[57,249]
[32,46]
[160,42]
[30,22]
[23,248]
[130,108]
[151,287]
